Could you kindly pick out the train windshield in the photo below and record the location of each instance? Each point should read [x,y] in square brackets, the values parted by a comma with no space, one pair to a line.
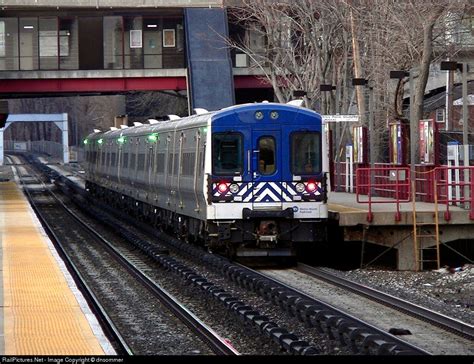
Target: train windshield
[227,153]
[306,153]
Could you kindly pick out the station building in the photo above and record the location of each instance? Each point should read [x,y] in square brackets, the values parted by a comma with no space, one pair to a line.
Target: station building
[110,46]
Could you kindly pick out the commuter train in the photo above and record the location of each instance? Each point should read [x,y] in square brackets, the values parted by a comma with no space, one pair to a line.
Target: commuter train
[247,180]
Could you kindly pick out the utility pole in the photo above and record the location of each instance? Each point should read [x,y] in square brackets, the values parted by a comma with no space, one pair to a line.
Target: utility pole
[413,129]
[465,132]
[357,67]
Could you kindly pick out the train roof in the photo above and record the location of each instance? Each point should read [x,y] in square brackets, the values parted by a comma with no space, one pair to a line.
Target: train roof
[245,113]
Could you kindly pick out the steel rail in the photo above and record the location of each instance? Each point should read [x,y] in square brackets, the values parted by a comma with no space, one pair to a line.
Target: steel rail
[448,323]
[217,344]
[361,336]
[315,312]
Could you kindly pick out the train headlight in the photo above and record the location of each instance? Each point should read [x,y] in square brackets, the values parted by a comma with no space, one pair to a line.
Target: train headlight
[311,187]
[234,188]
[258,115]
[300,187]
[222,187]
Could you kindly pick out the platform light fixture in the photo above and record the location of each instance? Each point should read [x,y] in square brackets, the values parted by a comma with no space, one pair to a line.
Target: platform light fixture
[299,93]
[325,87]
[359,82]
[399,74]
[448,66]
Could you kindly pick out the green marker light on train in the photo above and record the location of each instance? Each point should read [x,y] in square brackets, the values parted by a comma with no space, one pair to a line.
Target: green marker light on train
[153,137]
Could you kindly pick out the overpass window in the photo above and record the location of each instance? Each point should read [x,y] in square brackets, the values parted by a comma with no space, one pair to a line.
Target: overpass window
[173,43]
[113,42]
[68,44]
[28,43]
[48,43]
[152,42]
[9,44]
[133,47]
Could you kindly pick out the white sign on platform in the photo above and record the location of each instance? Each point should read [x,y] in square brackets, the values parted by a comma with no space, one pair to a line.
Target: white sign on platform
[340,118]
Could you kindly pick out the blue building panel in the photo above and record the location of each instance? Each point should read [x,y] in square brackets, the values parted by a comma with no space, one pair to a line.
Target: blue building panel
[208,58]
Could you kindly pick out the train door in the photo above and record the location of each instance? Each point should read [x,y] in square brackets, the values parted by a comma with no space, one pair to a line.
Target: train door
[266,169]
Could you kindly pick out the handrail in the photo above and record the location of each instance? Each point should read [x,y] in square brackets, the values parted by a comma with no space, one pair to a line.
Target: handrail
[397,182]
[464,188]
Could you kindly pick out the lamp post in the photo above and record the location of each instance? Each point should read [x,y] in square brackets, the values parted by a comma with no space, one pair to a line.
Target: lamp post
[368,83]
[413,124]
[332,170]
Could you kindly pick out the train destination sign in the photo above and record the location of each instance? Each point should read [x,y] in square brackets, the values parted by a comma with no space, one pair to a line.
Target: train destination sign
[340,118]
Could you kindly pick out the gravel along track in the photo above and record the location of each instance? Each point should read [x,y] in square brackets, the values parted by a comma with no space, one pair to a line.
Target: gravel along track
[147,326]
[447,291]
[423,335]
[246,340]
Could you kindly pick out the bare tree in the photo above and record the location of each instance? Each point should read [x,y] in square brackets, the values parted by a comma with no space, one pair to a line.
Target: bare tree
[310,42]
[304,44]
[158,103]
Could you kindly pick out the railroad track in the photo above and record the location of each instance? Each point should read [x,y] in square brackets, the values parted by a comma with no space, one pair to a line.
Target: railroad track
[360,336]
[279,335]
[447,323]
[217,344]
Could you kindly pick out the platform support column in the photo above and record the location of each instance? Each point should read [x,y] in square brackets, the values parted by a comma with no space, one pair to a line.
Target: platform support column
[63,126]
[1,146]
[405,255]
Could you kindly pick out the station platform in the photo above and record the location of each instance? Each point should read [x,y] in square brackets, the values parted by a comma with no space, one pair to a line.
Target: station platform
[345,208]
[43,312]
[386,230]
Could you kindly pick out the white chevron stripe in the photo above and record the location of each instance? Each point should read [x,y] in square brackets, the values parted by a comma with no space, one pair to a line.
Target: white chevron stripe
[275,187]
[266,193]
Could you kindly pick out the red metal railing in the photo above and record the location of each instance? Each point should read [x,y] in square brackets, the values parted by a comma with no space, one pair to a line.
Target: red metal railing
[455,186]
[386,181]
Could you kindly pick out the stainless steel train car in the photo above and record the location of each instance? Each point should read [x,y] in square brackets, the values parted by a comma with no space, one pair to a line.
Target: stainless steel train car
[248,180]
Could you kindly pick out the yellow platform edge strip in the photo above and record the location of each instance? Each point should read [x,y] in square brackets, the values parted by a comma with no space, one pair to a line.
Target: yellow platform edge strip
[41,316]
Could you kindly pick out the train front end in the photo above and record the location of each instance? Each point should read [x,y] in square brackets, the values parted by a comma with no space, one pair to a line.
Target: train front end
[267,181]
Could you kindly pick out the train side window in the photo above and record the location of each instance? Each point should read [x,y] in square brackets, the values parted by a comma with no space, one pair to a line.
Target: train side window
[306,157]
[141,162]
[266,148]
[176,164]
[160,161]
[125,160]
[227,153]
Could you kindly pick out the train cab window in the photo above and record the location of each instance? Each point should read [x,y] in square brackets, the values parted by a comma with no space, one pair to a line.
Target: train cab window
[227,153]
[306,153]
[266,152]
